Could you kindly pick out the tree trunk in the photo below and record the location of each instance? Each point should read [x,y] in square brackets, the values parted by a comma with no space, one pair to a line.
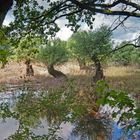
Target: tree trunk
[98,70]
[82,63]
[29,68]
[5,5]
[55,73]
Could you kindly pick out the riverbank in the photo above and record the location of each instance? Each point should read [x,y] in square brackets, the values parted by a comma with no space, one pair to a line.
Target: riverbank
[123,78]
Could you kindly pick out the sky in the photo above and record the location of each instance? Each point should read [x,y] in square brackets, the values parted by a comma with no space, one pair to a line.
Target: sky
[130,31]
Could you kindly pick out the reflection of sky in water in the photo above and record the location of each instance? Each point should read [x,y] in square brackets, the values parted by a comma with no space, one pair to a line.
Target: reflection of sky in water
[42,128]
[8,127]
[119,135]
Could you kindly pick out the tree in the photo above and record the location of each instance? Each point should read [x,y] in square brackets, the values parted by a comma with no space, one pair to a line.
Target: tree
[26,51]
[77,46]
[33,16]
[53,53]
[123,56]
[92,45]
[135,56]
[126,55]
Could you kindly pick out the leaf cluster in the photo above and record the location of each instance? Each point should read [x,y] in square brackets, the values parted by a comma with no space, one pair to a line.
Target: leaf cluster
[86,44]
[127,55]
[123,105]
[54,52]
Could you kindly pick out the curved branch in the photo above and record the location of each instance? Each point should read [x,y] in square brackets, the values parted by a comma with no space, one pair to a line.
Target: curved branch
[108,5]
[115,3]
[120,13]
[103,8]
[119,48]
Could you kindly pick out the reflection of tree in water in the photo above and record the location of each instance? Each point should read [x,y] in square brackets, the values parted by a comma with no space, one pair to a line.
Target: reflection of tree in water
[89,128]
[29,110]
[54,107]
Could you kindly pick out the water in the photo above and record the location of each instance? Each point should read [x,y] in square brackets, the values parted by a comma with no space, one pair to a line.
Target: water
[42,123]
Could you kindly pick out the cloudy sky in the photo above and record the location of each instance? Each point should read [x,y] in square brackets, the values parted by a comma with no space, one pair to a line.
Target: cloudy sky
[130,31]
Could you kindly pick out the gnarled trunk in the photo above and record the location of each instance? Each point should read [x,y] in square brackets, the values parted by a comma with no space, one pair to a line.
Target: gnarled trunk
[29,68]
[98,70]
[55,73]
[5,5]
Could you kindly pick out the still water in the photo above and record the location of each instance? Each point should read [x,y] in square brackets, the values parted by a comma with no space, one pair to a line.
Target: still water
[32,121]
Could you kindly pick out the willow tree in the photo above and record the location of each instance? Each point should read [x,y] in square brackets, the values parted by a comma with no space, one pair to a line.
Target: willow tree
[92,45]
[53,53]
[40,17]
[77,46]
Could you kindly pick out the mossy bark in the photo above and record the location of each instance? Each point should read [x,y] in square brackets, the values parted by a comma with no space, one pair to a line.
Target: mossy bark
[55,73]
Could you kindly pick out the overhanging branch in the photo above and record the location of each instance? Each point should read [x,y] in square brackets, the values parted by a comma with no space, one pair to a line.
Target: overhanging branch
[119,48]
[106,8]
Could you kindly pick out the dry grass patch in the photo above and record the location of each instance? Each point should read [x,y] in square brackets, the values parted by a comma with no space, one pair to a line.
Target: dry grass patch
[125,78]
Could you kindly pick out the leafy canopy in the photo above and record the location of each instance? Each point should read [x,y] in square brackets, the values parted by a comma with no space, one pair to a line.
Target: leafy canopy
[40,17]
[126,55]
[5,47]
[54,52]
[85,44]
[27,48]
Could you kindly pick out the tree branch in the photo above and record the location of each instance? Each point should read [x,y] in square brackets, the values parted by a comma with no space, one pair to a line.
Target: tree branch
[107,5]
[103,8]
[119,48]
[120,13]
[115,3]
[63,15]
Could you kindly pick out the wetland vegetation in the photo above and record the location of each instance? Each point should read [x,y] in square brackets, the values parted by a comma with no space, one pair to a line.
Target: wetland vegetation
[85,88]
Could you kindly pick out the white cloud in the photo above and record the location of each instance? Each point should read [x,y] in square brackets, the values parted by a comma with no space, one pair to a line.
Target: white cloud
[64,33]
[130,32]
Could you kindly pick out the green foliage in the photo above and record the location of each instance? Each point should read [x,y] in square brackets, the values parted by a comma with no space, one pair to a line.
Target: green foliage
[56,105]
[54,52]
[27,48]
[41,16]
[119,99]
[127,55]
[85,45]
[5,48]
[77,44]
[5,53]
[135,56]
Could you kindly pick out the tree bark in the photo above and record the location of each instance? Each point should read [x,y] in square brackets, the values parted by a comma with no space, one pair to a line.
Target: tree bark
[82,63]
[98,70]
[5,5]
[55,73]
[29,68]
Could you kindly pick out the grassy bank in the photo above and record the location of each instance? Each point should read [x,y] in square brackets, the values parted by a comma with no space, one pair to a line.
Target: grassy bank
[125,78]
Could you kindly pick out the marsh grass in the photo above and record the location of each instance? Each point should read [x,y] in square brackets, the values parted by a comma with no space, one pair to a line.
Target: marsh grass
[122,78]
